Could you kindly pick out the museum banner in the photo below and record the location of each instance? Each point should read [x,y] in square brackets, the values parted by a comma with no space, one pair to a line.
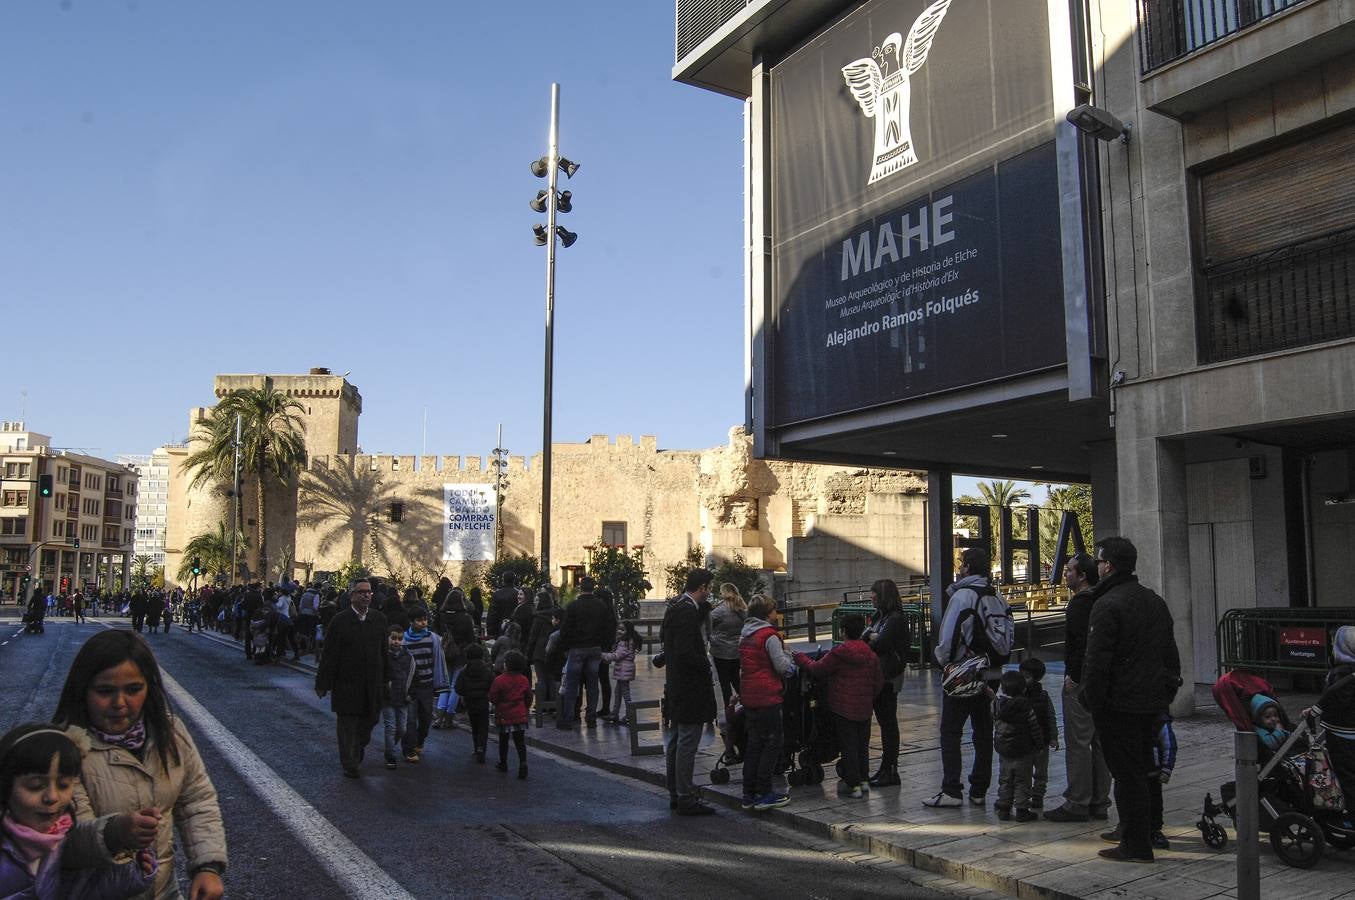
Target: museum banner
[915,206]
[468,516]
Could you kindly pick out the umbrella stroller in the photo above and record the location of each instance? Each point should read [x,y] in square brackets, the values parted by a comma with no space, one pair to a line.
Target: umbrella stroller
[1300,805]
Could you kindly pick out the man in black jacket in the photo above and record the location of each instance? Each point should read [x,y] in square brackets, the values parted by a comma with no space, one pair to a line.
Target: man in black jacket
[353,666]
[587,628]
[688,691]
[1130,675]
[1088,793]
[501,604]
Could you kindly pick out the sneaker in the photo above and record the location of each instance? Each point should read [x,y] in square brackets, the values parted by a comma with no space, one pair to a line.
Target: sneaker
[1026,815]
[1160,841]
[944,801]
[865,787]
[977,800]
[411,758]
[850,791]
[1004,813]
[771,800]
[390,764]
[748,802]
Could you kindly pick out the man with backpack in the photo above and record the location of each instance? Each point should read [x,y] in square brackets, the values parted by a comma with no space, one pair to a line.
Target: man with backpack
[974,642]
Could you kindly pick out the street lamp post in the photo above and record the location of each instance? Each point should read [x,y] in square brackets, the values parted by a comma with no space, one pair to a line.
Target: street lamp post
[550,202]
[235,495]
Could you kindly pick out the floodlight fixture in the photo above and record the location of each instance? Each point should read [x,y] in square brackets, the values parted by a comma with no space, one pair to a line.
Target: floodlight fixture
[1098,123]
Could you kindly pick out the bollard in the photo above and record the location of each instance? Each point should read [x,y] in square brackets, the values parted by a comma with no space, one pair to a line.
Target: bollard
[1248,811]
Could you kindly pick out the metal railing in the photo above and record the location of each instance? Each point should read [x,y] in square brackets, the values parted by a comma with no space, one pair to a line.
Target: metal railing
[1288,297]
[1171,29]
[1280,639]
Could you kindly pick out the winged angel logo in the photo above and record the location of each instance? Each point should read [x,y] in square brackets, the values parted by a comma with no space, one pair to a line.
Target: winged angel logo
[880,84]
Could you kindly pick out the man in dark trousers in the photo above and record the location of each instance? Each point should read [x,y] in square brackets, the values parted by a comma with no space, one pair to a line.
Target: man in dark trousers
[688,689]
[138,609]
[586,630]
[1130,676]
[353,667]
[1088,793]
[501,604]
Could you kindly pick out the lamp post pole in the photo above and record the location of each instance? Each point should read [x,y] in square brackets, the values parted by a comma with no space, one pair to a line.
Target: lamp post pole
[235,507]
[553,163]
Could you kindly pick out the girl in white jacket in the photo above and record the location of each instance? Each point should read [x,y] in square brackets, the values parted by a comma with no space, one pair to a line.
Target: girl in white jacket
[622,659]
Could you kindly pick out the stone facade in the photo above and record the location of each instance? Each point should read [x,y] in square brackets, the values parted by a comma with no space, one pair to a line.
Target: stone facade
[388,510]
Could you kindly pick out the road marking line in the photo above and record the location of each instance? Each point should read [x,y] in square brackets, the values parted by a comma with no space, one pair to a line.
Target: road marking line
[345,862]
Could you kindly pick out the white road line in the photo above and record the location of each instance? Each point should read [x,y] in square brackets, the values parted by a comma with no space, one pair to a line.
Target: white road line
[352,869]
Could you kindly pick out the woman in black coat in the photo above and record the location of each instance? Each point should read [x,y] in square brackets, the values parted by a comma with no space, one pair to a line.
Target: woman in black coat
[888,636]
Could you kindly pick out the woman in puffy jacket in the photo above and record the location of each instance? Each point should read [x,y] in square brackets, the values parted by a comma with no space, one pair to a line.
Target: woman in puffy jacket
[726,623]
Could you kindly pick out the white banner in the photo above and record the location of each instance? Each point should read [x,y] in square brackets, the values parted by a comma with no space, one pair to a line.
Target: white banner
[468,522]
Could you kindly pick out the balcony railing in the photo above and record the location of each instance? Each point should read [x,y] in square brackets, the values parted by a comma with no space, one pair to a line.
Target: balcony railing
[1290,297]
[1171,29]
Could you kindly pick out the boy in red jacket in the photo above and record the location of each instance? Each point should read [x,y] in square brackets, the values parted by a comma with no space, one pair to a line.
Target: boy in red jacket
[854,678]
[511,694]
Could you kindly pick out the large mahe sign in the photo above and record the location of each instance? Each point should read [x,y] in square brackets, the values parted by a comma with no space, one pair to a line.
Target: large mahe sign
[916,221]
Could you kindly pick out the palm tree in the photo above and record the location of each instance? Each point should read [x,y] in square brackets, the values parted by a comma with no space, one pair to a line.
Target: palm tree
[141,564]
[1002,493]
[272,447]
[212,549]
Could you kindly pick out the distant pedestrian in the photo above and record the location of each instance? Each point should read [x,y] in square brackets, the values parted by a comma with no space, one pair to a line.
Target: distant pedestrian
[1088,792]
[399,679]
[511,694]
[353,666]
[1131,675]
[688,689]
[1034,670]
[476,679]
[1016,736]
[726,623]
[622,660]
[501,604]
[891,640]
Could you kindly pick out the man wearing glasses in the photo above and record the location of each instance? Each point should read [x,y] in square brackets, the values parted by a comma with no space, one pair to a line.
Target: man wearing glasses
[1130,676]
[353,668]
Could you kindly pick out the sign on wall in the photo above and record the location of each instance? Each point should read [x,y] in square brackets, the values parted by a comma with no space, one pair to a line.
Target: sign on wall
[468,522]
[916,230]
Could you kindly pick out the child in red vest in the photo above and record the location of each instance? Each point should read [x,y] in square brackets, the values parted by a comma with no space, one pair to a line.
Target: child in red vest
[511,694]
[854,678]
[763,663]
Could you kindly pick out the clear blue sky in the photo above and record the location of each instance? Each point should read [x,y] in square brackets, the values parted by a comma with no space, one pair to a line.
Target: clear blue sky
[250,186]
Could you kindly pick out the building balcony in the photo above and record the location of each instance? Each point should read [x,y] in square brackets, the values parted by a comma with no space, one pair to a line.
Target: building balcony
[1290,297]
[1198,54]
[113,492]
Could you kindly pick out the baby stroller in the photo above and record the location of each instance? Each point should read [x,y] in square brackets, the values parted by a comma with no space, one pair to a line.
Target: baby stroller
[734,735]
[1294,784]
[810,739]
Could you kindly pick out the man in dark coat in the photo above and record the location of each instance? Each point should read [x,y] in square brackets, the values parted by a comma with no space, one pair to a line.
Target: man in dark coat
[353,667]
[587,629]
[501,604]
[138,606]
[1130,676]
[688,690]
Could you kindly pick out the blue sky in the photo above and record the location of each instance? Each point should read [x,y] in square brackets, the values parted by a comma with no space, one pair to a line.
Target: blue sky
[194,188]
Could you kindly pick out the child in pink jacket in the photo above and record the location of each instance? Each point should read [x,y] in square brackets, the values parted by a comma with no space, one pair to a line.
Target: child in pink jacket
[622,658]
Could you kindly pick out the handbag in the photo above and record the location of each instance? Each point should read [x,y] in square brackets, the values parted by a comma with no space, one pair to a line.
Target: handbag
[1322,785]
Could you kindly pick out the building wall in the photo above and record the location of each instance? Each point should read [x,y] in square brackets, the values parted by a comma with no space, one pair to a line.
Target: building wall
[1211,537]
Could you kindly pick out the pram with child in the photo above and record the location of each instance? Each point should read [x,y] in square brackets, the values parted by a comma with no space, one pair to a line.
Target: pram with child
[810,738]
[734,736]
[1301,806]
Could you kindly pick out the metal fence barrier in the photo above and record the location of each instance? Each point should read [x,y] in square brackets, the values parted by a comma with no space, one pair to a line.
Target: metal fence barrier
[1280,639]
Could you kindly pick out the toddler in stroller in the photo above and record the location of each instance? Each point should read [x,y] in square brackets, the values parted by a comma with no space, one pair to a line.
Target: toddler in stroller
[1301,806]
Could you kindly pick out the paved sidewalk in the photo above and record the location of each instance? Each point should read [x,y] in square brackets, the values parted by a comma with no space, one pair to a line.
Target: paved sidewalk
[969,845]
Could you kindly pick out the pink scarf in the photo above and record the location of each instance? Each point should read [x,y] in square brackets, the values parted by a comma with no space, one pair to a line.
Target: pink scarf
[33,845]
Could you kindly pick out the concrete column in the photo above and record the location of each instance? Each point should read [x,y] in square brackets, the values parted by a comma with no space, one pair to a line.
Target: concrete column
[940,539]
[126,571]
[1152,494]
[108,572]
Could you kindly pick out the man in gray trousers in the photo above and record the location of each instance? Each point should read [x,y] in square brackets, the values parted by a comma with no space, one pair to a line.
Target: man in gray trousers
[688,689]
[1088,793]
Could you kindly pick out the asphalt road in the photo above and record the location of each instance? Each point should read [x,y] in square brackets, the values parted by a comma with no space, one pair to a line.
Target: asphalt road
[446,827]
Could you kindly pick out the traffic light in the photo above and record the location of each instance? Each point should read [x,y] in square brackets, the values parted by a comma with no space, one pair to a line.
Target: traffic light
[197,566]
[76,543]
[45,485]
